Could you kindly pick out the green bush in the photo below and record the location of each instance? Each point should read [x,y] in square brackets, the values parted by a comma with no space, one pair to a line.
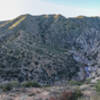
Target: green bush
[75,83]
[30,84]
[88,81]
[97,86]
[9,86]
[6,87]
[78,93]
[14,84]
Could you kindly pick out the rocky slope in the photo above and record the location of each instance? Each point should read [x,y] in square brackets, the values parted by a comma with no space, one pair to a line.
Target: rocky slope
[49,48]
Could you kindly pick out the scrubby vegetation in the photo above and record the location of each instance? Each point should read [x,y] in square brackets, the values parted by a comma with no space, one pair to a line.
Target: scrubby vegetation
[48,49]
[14,84]
[45,48]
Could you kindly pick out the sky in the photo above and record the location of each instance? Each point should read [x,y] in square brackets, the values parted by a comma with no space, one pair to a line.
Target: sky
[69,8]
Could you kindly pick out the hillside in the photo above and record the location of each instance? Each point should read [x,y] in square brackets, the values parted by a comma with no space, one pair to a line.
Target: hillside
[49,48]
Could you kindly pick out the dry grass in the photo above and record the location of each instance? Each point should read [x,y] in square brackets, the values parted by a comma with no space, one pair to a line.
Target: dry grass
[17,22]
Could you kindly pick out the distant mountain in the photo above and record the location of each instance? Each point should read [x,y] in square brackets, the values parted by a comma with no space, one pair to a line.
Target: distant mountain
[48,48]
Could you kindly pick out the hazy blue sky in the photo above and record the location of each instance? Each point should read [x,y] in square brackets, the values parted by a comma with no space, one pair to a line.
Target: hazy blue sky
[69,8]
[80,3]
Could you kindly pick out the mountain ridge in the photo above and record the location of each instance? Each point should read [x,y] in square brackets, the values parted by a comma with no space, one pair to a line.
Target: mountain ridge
[49,48]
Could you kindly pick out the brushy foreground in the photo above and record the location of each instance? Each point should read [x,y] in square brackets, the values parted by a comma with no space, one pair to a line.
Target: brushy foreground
[96,97]
[48,93]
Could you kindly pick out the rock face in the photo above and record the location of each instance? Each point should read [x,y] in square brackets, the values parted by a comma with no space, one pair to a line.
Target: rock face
[48,48]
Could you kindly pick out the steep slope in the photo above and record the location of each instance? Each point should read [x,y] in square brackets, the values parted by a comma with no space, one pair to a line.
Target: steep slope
[48,48]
